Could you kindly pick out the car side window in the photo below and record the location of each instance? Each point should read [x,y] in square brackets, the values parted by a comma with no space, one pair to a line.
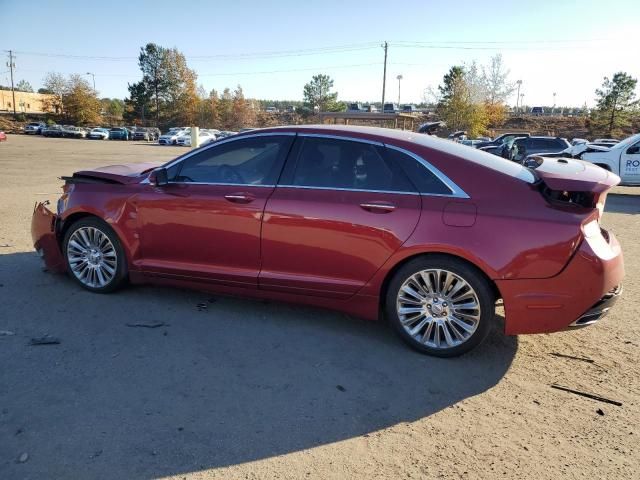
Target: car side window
[424,179]
[347,164]
[250,161]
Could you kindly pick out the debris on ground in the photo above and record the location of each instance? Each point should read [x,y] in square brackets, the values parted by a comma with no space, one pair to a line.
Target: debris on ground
[600,412]
[341,388]
[23,457]
[572,357]
[5,245]
[147,325]
[96,454]
[201,306]
[587,395]
[46,340]
[6,333]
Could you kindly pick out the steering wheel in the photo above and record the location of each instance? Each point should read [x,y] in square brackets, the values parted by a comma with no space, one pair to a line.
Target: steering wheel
[229,174]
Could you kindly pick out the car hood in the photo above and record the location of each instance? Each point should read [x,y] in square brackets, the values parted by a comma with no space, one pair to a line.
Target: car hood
[123,174]
[568,174]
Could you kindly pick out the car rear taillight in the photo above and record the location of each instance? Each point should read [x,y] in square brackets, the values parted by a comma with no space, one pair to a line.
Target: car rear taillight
[564,198]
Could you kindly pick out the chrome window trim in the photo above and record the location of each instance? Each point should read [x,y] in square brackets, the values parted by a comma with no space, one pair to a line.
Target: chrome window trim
[456,191]
[308,187]
[340,137]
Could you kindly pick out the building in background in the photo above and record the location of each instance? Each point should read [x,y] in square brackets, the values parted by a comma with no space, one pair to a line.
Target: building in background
[26,102]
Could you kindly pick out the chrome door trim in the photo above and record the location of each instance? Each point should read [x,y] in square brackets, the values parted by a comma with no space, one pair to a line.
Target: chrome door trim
[456,191]
[308,187]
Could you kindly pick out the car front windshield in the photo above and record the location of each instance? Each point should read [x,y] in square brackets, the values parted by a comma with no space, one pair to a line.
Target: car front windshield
[627,142]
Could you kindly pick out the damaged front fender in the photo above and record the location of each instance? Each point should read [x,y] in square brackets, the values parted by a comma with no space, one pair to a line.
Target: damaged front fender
[44,225]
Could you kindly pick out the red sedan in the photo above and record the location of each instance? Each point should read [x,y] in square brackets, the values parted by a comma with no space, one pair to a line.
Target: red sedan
[372,222]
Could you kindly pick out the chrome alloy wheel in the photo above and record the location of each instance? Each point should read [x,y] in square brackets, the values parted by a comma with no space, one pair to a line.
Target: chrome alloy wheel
[438,308]
[92,257]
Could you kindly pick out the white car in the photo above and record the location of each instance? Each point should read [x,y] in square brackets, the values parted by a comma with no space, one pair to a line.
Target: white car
[99,134]
[171,137]
[204,137]
[623,159]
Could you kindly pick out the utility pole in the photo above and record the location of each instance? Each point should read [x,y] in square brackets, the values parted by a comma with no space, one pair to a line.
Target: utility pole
[93,75]
[399,77]
[384,74]
[11,66]
[519,83]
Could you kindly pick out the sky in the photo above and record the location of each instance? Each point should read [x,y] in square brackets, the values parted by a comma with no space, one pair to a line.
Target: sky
[272,48]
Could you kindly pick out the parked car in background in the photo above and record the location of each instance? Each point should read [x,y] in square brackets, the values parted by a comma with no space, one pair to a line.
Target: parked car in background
[35,128]
[290,109]
[538,145]
[271,110]
[204,137]
[606,142]
[3,136]
[53,131]
[118,133]
[373,222]
[355,107]
[171,137]
[409,109]
[146,133]
[500,139]
[370,108]
[537,111]
[99,134]
[390,108]
[225,134]
[70,131]
[578,141]
[622,158]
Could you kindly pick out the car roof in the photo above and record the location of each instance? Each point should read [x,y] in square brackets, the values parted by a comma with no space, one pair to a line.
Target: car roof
[387,135]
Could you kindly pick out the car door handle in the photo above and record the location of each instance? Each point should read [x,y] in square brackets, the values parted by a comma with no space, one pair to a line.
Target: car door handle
[378,207]
[239,197]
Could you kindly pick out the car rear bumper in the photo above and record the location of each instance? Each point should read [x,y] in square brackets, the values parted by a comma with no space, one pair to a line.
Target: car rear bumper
[580,295]
[45,240]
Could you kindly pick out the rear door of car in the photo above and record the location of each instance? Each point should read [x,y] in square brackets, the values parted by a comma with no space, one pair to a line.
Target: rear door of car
[339,211]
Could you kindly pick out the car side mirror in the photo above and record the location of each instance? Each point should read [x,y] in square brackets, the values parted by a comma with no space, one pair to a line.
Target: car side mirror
[159,177]
[633,150]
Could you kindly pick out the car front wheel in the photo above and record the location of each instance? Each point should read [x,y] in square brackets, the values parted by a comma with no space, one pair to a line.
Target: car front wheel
[95,257]
[440,305]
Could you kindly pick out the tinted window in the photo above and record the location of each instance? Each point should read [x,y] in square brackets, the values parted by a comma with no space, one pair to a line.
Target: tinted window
[424,180]
[251,161]
[330,163]
[545,144]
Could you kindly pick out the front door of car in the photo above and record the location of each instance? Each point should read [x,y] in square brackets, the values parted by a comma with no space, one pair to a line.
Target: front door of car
[630,164]
[205,223]
[339,212]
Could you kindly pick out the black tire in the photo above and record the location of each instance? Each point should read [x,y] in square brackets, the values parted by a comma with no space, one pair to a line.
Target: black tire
[469,274]
[121,270]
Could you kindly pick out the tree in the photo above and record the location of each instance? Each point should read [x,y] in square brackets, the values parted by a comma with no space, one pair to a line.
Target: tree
[24,86]
[615,103]
[56,84]
[243,114]
[495,79]
[138,105]
[82,107]
[456,106]
[152,62]
[317,94]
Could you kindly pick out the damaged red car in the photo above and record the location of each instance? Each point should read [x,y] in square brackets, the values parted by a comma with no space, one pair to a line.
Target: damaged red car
[376,223]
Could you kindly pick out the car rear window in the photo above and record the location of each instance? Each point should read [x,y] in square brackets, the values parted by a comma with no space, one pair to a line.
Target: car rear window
[424,179]
[347,164]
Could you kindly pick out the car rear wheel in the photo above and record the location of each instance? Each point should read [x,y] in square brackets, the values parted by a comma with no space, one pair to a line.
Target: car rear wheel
[94,254]
[440,305]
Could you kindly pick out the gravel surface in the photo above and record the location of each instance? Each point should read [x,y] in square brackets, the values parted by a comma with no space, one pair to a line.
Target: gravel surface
[232,388]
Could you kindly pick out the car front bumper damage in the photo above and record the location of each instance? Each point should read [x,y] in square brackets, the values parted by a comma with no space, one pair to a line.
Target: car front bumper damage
[44,232]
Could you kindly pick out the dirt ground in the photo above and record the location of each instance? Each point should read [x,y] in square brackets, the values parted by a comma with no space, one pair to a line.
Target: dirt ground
[246,389]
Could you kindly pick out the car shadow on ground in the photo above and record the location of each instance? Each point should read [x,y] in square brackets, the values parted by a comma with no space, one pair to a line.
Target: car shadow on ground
[622,203]
[221,382]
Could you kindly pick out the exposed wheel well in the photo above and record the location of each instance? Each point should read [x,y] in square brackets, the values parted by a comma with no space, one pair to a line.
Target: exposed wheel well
[70,220]
[392,272]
